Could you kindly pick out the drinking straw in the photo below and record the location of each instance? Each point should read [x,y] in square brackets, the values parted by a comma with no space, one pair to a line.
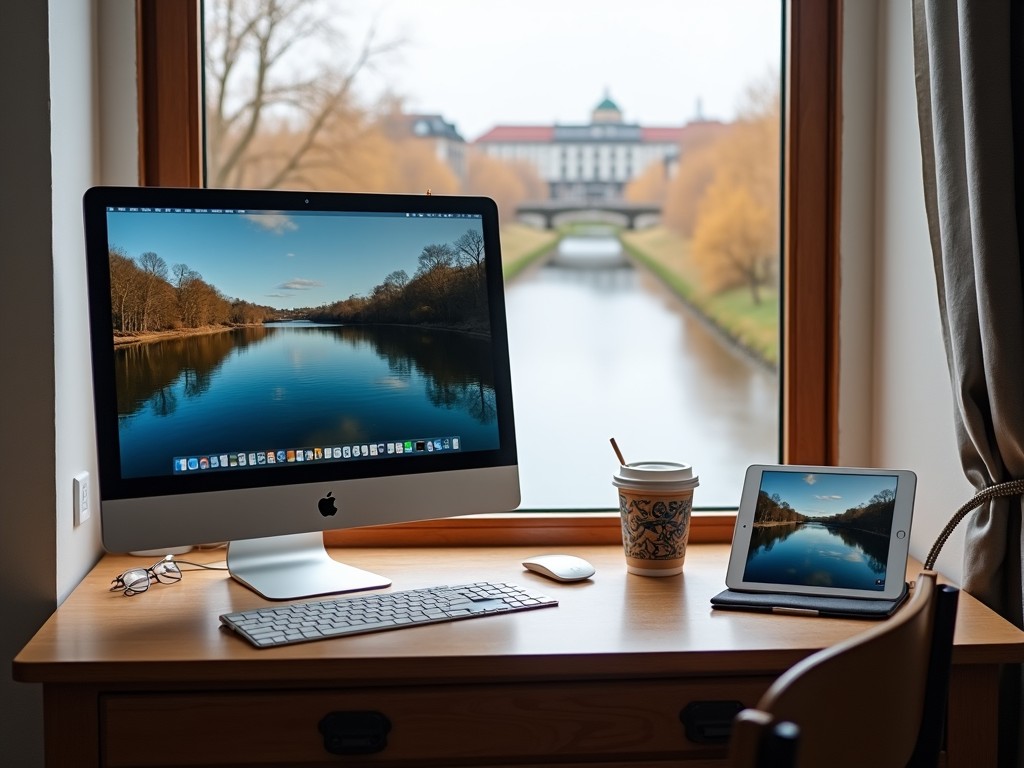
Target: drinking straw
[618,453]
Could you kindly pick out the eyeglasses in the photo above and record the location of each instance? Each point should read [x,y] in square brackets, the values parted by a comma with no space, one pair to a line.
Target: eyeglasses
[166,571]
[136,580]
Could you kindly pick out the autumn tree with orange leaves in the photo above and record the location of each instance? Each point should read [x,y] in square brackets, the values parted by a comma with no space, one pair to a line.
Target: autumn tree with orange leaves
[509,184]
[725,196]
[648,186]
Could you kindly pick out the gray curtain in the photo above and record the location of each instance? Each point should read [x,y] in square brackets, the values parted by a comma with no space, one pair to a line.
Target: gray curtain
[966,111]
[968,59]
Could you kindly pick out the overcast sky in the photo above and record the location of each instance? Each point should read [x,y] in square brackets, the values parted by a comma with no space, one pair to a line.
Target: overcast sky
[482,62]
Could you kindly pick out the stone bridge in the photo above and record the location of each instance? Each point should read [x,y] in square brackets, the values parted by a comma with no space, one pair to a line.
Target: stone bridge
[617,210]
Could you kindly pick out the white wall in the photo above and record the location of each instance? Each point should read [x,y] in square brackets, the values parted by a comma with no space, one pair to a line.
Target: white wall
[856,236]
[74,145]
[94,135]
[50,152]
[893,361]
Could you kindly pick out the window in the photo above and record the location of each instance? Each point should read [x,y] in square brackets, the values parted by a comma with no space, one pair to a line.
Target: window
[169,57]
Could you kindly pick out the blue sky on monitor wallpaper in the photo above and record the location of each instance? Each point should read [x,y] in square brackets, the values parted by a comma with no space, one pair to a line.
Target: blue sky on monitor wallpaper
[285,260]
[824,494]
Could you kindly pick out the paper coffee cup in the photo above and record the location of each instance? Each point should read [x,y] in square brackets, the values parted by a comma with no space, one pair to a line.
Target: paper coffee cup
[655,503]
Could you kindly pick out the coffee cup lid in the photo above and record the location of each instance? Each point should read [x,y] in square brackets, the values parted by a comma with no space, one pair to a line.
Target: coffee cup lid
[656,474]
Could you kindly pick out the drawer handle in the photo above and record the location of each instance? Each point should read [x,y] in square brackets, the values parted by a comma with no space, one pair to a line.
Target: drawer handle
[355,733]
[709,722]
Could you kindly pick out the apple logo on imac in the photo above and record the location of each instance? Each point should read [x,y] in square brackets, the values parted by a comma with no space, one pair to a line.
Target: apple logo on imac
[326,505]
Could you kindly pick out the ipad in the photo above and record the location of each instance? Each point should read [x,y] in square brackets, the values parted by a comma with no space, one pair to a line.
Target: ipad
[827,531]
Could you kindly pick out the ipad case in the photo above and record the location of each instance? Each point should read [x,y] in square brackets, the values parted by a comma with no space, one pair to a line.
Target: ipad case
[808,605]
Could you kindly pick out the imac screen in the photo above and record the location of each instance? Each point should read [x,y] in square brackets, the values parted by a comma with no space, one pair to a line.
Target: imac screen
[270,363]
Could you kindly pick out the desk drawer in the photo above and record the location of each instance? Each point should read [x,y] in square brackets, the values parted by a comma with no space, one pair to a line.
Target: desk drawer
[565,722]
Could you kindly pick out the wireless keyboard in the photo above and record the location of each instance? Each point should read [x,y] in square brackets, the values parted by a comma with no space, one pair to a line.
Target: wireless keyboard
[379,611]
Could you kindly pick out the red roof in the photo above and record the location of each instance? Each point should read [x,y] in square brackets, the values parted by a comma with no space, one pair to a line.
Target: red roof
[696,132]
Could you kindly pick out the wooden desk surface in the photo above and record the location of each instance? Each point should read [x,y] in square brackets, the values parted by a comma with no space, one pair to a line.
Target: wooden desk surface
[614,625]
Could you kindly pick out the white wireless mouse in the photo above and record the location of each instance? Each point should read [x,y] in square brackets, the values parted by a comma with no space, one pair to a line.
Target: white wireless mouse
[560,567]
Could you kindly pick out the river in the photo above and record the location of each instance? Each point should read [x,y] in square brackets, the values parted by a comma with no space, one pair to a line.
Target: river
[601,349]
[301,391]
[818,555]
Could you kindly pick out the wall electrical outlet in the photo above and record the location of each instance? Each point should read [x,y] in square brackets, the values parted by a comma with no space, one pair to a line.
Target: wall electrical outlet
[82,490]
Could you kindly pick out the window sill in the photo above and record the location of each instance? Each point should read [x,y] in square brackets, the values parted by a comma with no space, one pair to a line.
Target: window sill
[520,528]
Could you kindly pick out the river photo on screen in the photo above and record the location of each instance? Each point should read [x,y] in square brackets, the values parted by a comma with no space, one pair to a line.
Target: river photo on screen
[822,530]
[255,338]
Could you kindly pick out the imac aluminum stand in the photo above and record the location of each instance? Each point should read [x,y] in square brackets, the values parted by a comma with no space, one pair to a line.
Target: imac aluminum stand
[293,566]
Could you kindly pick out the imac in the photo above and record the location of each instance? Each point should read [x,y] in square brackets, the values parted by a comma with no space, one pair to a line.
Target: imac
[268,365]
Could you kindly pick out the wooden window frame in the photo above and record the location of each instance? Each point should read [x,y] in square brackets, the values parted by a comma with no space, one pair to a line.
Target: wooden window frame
[170,94]
[170,152]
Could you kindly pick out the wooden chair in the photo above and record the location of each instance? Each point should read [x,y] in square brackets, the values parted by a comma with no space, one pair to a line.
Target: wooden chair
[877,699]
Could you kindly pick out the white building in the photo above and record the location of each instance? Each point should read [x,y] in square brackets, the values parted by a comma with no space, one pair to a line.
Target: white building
[593,161]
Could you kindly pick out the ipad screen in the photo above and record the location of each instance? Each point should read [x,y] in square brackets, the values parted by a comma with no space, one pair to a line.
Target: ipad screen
[820,529]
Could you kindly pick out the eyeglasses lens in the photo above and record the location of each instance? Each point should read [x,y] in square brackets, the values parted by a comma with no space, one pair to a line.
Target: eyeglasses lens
[166,572]
[135,581]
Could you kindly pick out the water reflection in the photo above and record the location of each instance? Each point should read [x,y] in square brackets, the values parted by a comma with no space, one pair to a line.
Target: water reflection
[609,351]
[298,385]
[609,279]
[817,554]
[590,251]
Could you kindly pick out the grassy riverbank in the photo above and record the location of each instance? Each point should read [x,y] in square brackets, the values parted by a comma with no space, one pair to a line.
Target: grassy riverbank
[521,246]
[754,327]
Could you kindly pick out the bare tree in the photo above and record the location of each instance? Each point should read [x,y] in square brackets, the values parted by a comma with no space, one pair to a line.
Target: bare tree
[273,64]
[396,281]
[470,248]
[154,292]
[187,286]
[436,265]
[436,258]
[124,279]
[471,255]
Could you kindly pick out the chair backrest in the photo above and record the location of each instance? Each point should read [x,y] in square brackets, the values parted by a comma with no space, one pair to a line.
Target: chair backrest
[878,698]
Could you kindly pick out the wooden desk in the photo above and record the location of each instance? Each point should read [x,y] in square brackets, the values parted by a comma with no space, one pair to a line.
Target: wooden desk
[152,681]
